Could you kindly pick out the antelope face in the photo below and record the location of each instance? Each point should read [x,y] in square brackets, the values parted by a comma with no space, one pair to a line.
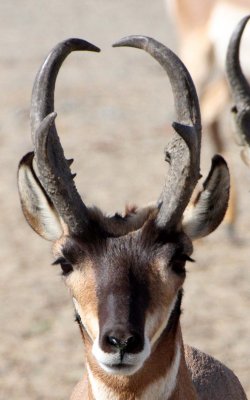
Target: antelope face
[124,290]
[125,273]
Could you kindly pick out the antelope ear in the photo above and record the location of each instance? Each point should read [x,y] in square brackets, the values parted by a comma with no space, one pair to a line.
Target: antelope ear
[38,210]
[210,205]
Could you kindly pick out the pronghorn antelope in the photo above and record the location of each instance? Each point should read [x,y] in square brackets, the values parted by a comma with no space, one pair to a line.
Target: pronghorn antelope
[126,274]
[240,90]
[203,31]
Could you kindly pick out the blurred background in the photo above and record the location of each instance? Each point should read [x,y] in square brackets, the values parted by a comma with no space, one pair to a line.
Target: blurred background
[115,111]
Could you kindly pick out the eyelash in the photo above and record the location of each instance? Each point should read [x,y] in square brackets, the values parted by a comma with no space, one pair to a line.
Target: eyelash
[178,263]
[66,267]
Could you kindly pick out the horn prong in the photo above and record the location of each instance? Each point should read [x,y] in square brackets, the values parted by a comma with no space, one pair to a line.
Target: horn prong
[53,168]
[183,151]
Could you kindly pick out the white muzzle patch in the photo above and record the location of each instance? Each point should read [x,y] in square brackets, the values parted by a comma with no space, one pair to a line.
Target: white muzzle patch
[115,365]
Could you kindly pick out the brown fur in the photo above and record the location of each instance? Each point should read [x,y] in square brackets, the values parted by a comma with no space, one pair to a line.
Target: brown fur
[211,379]
[82,285]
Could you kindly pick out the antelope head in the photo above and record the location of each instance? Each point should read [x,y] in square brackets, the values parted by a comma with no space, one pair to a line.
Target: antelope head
[125,274]
[240,89]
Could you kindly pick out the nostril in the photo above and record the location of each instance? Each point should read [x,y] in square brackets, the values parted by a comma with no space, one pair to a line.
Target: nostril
[129,344]
[113,341]
[133,343]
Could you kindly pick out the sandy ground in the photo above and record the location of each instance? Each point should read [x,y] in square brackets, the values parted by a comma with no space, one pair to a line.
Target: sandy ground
[114,115]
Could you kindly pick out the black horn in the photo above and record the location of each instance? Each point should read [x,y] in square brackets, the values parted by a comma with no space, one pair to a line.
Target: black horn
[52,168]
[239,86]
[183,152]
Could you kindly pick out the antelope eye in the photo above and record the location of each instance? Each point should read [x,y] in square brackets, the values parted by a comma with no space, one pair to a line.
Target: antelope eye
[179,262]
[66,267]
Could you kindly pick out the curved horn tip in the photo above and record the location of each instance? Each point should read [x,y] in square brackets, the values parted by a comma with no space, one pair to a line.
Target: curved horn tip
[42,99]
[237,33]
[139,41]
[234,41]
[238,83]
[80,44]
[243,22]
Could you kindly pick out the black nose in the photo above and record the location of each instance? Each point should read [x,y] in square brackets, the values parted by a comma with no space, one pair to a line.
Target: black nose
[129,344]
[121,341]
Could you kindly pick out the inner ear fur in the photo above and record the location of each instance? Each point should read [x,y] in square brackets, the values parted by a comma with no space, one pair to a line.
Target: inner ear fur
[38,210]
[210,205]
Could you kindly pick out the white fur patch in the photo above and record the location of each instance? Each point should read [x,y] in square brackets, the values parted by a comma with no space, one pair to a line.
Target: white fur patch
[111,362]
[164,387]
[35,204]
[99,389]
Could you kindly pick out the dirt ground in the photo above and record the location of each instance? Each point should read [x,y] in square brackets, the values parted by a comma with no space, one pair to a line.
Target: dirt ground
[114,115]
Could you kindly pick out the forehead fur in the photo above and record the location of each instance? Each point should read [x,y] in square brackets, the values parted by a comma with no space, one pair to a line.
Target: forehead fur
[136,249]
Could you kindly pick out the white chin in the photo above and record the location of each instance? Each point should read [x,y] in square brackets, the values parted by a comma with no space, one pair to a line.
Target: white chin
[120,369]
[110,362]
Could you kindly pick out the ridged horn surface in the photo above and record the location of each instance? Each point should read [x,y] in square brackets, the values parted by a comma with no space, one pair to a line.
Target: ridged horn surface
[53,168]
[183,152]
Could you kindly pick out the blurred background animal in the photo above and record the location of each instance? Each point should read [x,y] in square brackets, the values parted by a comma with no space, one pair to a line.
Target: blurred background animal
[203,30]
